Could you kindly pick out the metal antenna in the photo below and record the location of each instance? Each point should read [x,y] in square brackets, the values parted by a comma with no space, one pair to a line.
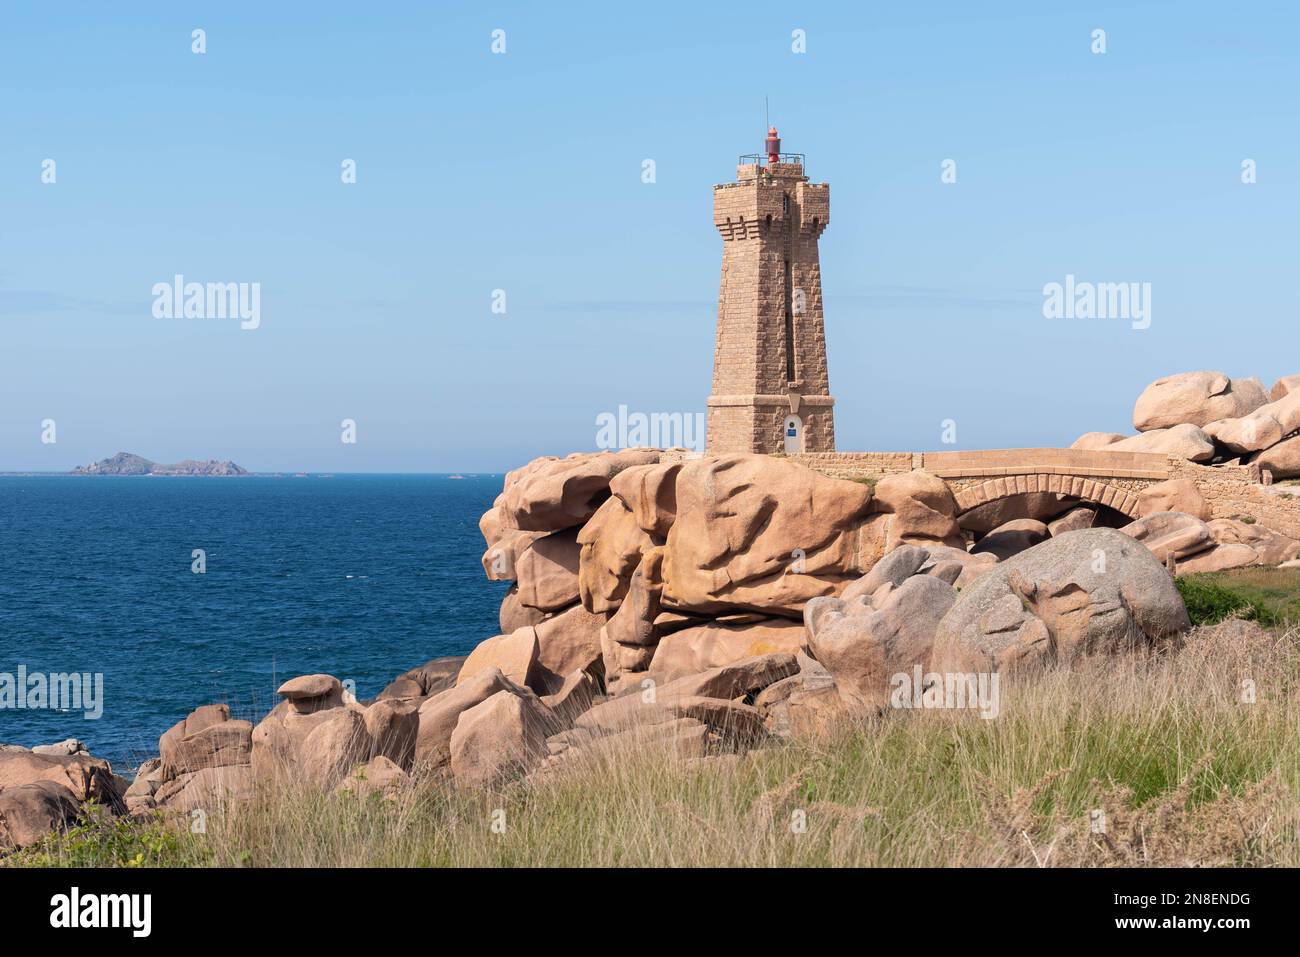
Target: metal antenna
[767,117]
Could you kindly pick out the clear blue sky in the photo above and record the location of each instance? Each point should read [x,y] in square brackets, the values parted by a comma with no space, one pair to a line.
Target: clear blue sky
[523,172]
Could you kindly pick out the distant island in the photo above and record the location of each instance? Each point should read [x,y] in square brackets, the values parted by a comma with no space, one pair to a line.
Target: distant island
[127,463]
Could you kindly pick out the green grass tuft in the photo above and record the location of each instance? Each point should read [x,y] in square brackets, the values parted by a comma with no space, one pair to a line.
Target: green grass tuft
[1270,596]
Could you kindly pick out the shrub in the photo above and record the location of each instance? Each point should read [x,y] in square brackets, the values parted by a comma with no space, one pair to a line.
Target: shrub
[1270,596]
[100,840]
[1209,603]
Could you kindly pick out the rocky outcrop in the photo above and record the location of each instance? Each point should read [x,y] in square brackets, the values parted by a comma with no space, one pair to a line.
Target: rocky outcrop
[47,788]
[1171,534]
[952,565]
[502,735]
[1012,538]
[1073,520]
[676,738]
[1248,439]
[335,745]
[205,790]
[1269,547]
[67,746]
[550,494]
[1206,416]
[379,776]
[1095,441]
[320,732]
[1196,398]
[706,606]
[566,642]
[807,705]
[629,637]
[1198,546]
[1262,429]
[87,778]
[612,545]
[914,508]
[438,715]
[759,534]
[140,795]
[515,615]
[1281,460]
[756,533]
[1219,558]
[1039,506]
[1186,441]
[718,643]
[514,655]
[426,680]
[1086,592]
[685,547]
[1176,495]
[205,760]
[391,729]
[650,493]
[863,642]
[1284,387]
[204,739]
[692,716]
[547,571]
[575,695]
[28,812]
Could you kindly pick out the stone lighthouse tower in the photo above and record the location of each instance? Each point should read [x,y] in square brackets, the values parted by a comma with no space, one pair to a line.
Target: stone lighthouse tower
[770,388]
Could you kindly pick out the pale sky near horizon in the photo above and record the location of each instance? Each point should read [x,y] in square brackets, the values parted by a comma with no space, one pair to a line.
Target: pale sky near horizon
[523,172]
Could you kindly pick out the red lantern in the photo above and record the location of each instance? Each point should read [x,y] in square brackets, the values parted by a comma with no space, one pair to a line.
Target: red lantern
[773,145]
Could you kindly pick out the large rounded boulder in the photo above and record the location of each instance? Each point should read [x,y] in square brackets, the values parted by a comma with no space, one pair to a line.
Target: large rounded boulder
[1186,441]
[1262,429]
[1283,459]
[1093,591]
[863,644]
[1196,398]
[759,533]
[549,494]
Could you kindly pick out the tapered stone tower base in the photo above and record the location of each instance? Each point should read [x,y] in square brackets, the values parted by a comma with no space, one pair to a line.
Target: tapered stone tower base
[770,387]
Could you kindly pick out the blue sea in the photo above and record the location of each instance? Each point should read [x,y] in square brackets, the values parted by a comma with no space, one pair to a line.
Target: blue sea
[358,576]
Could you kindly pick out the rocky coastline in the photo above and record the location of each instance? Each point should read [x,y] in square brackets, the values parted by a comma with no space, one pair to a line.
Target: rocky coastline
[715,604]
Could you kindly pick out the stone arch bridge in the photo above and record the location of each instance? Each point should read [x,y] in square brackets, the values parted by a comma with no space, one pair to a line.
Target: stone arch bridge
[976,478]
[1114,479]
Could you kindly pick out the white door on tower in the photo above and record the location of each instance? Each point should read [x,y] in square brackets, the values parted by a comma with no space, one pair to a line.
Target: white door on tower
[793,435]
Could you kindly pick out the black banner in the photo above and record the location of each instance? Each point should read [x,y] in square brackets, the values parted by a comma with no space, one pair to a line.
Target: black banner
[332,906]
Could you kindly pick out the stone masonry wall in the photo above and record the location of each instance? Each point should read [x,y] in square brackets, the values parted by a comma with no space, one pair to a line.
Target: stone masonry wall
[857,465]
[1232,491]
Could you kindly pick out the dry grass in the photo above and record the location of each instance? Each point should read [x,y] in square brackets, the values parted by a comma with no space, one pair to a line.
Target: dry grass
[1182,769]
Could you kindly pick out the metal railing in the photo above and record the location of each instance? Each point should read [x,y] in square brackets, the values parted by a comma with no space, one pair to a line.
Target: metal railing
[757,159]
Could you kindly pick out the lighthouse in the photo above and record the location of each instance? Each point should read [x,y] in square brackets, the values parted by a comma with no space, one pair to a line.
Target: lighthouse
[771,392]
